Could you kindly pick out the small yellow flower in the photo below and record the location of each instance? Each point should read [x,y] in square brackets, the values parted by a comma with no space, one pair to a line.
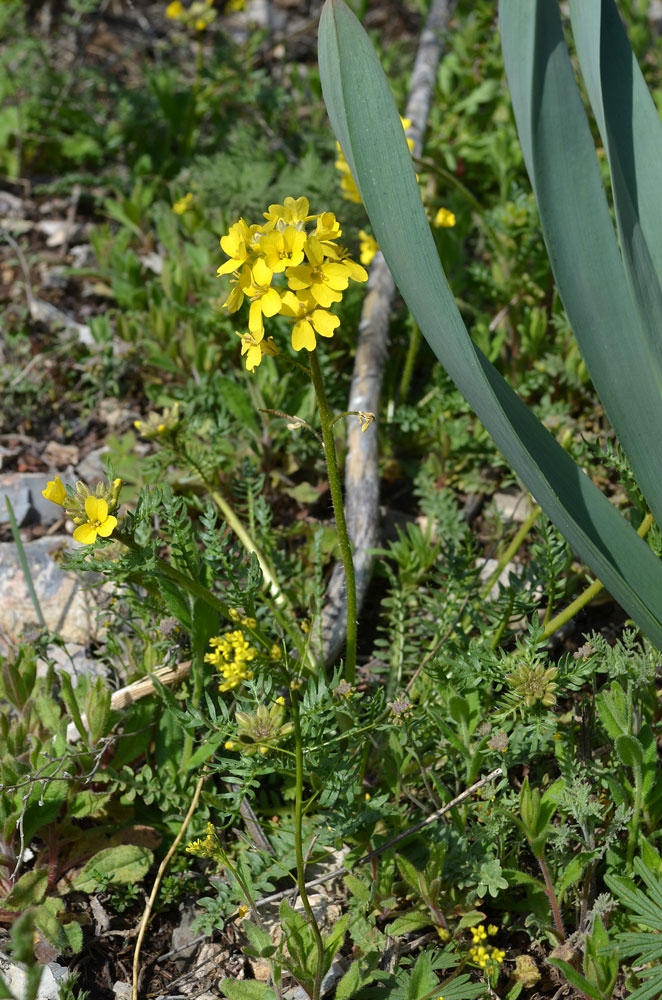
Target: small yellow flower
[183,204]
[200,25]
[444,219]
[99,522]
[368,247]
[242,911]
[254,350]
[56,492]
[229,745]
[280,700]
[174,10]
[444,935]
[492,929]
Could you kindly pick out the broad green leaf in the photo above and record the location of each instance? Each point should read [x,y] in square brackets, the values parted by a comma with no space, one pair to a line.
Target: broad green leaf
[125,863]
[624,359]
[367,125]
[247,989]
[28,891]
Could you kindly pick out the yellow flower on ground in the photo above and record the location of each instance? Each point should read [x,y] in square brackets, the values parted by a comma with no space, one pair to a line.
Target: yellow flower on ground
[99,522]
[56,492]
[368,247]
[444,219]
[309,320]
[174,10]
[183,204]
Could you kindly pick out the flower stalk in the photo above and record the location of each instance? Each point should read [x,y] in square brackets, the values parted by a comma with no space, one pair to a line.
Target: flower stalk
[298,842]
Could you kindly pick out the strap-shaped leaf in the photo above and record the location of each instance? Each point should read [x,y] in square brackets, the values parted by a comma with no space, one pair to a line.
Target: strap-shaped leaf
[366,123]
[631,134]
[560,156]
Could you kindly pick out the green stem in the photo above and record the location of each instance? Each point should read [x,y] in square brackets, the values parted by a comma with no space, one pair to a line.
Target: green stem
[408,370]
[339,511]
[510,551]
[591,591]
[298,843]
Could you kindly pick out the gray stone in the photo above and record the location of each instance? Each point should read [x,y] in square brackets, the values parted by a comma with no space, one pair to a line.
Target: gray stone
[15,978]
[24,490]
[67,610]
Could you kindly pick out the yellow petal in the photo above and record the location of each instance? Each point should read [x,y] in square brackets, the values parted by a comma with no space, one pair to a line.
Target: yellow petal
[108,526]
[96,509]
[55,491]
[303,336]
[85,533]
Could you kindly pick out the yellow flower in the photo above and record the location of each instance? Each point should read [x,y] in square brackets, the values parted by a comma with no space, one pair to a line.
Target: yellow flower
[200,25]
[283,249]
[174,10]
[237,245]
[445,935]
[265,300]
[444,219]
[350,192]
[492,929]
[183,204]
[232,654]
[56,492]
[234,5]
[293,212]
[99,522]
[368,247]
[309,320]
[326,279]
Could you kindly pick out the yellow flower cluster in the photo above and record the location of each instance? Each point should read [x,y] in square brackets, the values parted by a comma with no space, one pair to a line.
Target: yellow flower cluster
[484,956]
[183,205]
[304,248]
[232,655]
[91,512]
[205,847]
[198,15]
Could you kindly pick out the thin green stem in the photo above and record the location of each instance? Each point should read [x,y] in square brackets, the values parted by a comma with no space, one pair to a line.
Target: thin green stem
[298,843]
[339,511]
[508,554]
[408,370]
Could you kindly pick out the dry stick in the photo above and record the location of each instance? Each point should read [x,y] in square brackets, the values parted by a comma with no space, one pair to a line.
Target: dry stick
[361,469]
[432,818]
[159,876]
